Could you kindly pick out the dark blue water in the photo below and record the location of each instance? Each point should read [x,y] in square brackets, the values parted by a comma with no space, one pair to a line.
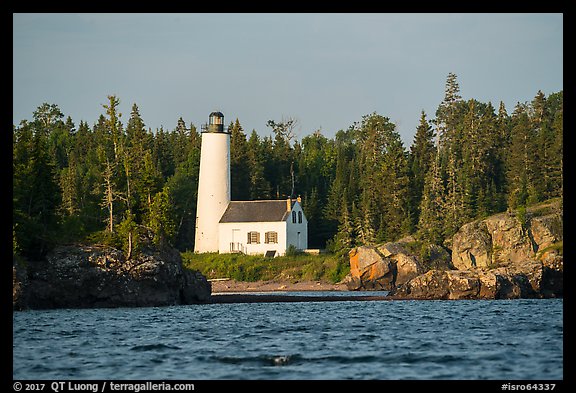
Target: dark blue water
[477,339]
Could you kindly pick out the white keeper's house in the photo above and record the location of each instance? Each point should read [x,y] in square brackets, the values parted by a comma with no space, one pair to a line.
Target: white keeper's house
[266,227]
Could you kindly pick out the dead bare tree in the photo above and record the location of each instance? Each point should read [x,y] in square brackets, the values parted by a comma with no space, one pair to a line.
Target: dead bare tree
[285,130]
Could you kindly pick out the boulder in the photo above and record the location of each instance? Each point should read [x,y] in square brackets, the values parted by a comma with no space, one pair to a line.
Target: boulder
[381,267]
[407,265]
[369,269]
[431,285]
[82,276]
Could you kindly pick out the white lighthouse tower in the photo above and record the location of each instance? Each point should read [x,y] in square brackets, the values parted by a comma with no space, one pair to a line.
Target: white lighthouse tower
[213,183]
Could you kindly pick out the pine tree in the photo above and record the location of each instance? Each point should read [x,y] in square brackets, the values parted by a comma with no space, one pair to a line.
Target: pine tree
[422,153]
[344,185]
[519,159]
[115,129]
[110,156]
[260,187]
[344,238]
[384,185]
[283,157]
[239,170]
[129,233]
[163,154]
[431,220]
[161,218]
[547,122]
[556,163]
[448,117]
[183,191]
[69,184]
[36,194]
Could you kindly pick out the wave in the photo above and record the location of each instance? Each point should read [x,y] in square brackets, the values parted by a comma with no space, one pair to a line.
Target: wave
[261,360]
[294,359]
[153,347]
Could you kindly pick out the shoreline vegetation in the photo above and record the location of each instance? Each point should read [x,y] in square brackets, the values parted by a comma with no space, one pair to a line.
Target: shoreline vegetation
[293,269]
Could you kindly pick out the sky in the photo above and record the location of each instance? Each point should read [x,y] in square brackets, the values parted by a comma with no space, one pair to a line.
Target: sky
[326,71]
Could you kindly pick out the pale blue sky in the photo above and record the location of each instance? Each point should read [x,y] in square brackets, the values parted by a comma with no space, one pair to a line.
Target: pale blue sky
[325,70]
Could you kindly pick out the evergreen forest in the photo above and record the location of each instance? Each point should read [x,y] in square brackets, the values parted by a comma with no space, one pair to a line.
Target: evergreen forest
[117,180]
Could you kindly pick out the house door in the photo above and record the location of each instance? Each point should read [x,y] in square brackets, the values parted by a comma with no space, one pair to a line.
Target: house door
[298,247]
[235,245]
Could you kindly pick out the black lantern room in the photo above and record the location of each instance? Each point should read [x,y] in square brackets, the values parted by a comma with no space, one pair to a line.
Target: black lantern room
[215,123]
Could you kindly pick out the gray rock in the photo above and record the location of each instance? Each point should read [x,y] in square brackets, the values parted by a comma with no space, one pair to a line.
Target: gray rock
[472,246]
[84,276]
[503,239]
[529,279]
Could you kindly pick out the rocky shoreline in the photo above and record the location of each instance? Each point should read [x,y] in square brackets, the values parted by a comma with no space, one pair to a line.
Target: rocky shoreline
[505,256]
[501,257]
[91,276]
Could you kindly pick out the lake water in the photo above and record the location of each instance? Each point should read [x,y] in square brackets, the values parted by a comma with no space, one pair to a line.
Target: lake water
[476,339]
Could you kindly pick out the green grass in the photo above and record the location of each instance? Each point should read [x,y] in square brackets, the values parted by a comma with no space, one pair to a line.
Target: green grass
[327,268]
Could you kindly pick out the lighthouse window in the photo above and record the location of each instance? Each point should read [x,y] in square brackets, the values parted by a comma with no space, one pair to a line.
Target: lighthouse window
[271,237]
[299,217]
[253,238]
[293,217]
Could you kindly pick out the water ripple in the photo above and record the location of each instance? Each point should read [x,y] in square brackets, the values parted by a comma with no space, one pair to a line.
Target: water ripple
[153,347]
[520,339]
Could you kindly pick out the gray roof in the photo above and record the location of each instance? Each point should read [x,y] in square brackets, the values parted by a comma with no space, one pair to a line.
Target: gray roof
[256,211]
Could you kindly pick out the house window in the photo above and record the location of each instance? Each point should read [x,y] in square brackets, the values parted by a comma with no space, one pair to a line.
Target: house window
[293,217]
[253,238]
[271,237]
[299,217]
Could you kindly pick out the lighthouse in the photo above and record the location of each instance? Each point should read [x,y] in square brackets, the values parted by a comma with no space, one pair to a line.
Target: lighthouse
[213,183]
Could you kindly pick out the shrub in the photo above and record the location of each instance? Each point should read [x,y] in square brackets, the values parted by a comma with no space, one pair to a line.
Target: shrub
[324,267]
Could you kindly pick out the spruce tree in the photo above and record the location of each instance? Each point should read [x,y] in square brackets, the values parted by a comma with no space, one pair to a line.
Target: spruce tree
[260,187]
[422,153]
[239,170]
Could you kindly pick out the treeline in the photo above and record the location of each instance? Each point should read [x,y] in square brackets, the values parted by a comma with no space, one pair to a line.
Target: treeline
[116,182]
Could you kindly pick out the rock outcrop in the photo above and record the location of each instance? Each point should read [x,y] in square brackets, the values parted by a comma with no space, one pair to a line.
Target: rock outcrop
[80,276]
[503,238]
[504,256]
[529,279]
[387,266]
[500,257]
